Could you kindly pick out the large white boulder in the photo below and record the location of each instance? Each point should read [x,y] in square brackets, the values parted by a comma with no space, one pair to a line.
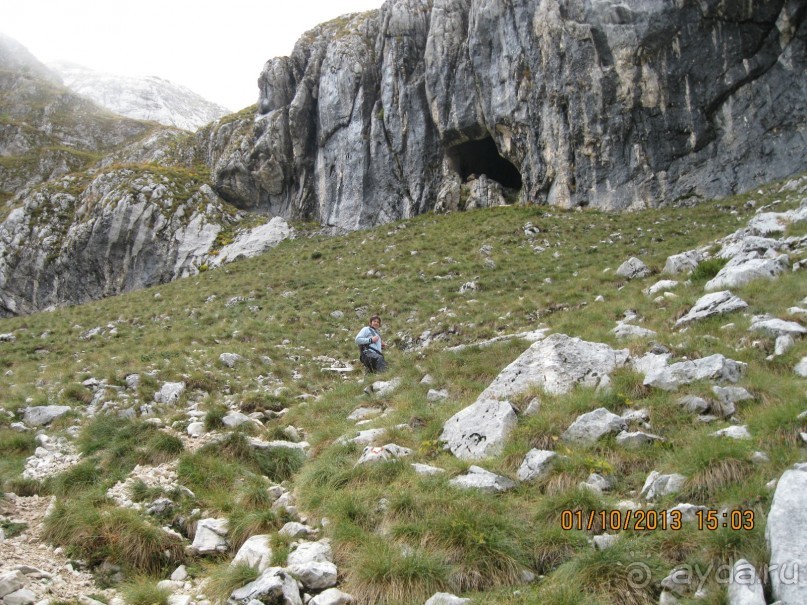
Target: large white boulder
[43,414]
[716,303]
[592,426]
[715,367]
[272,586]
[537,464]
[480,430]
[556,364]
[786,533]
[211,536]
[255,552]
[483,480]
[745,587]
[743,269]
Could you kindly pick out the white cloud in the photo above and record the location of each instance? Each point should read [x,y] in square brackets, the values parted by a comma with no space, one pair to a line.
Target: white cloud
[216,49]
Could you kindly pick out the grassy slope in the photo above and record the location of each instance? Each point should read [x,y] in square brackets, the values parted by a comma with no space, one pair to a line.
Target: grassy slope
[428,536]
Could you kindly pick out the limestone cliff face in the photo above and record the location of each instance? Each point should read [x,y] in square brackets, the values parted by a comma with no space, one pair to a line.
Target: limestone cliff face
[621,104]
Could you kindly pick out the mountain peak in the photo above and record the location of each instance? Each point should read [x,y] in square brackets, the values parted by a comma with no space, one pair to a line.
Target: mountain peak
[141,97]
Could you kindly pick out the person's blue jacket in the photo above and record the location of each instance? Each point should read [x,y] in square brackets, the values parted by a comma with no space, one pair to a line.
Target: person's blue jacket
[365,337]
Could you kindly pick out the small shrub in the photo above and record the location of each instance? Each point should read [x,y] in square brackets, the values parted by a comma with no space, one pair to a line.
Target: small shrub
[707,269]
[388,573]
[226,578]
[144,591]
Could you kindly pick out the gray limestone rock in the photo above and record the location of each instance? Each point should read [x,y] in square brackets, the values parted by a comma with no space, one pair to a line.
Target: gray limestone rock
[733,432]
[314,575]
[745,587]
[211,536]
[11,581]
[657,485]
[556,364]
[633,268]
[717,303]
[44,414]
[786,534]
[427,469]
[273,585]
[686,262]
[170,392]
[696,405]
[332,596]
[777,327]
[592,426]
[480,430]
[230,359]
[636,439]
[384,453]
[801,368]
[536,465]
[311,551]
[715,367]
[481,479]
[446,598]
[625,331]
[23,596]
[255,552]
[746,268]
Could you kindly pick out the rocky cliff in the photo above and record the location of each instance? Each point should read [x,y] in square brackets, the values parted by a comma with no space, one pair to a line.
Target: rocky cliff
[93,204]
[614,104]
[419,106]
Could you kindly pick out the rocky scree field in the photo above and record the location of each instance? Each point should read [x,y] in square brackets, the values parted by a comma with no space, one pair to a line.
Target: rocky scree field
[215,440]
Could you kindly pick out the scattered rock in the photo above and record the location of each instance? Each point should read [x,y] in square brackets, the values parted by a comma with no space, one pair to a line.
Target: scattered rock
[230,359]
[686,262]
[273,585]
[480,430]
[556,364]
[745,587]
[255,552]
[657,485]
[44,414]
[786,534]
[211,536]
[435,395]
[592,426]
[426,469]
[379,454]
[636,439]
[536,465]
[170,392]
[332,596]
[743,269]
[714,367]
[633,268]
[446,598]
[717,303]
[733,432]
[481,479]
[776,327]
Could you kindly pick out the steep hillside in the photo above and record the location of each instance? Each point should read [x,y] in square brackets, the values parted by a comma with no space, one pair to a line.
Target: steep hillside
[218,431]
[94,204]
[147,98]
[45,130]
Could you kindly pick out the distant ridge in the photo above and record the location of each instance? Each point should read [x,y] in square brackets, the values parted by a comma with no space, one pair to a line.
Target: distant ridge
[144,98]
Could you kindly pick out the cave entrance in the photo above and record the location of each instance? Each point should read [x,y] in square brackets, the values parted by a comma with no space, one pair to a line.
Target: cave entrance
[482,157]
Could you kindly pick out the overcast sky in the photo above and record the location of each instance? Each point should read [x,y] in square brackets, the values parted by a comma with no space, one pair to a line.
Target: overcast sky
[214,47]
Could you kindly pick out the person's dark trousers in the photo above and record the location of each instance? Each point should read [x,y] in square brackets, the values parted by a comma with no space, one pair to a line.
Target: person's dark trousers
[373,361]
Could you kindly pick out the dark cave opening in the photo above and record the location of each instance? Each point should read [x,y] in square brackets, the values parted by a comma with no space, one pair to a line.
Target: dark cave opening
[482,157]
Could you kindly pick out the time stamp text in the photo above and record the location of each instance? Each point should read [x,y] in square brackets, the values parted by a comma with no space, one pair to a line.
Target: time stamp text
[655,520]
